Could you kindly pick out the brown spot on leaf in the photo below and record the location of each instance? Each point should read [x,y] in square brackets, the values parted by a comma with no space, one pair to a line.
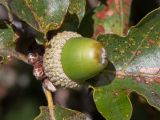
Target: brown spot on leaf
[150,70]
[102,14]
[110,13]
[106,12]
[148,80]
[143,79]
[116,94]
[128,2]
[145,75]
[151,41]
[157,79]
[109,2]
[137,52]
[99,29]
[117,4]
[120,74]
[137,78]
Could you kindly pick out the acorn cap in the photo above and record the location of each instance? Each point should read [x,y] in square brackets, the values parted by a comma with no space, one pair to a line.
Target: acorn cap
[70,59]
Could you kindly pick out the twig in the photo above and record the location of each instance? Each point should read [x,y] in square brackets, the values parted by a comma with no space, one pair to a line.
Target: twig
[13,53]
[50,103]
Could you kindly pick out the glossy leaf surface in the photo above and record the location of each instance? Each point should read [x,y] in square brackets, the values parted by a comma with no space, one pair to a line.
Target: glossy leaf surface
[43,15]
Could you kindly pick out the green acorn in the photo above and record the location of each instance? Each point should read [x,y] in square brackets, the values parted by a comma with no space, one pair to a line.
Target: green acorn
[70,59]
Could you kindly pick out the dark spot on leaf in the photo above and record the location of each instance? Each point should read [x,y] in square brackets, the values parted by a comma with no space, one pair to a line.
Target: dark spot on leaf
[117,4]
[136,53]
[109,2]
[102,14]
[157,79]
[120,75]
[137,79]
[99,29]
[150,70]
[151,41]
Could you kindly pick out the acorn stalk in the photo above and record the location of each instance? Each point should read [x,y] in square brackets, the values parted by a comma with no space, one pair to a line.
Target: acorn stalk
[71,59]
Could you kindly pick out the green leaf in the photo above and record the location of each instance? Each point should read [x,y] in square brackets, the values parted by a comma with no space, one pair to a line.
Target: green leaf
[60,114]
[77,7]
[112,17]
[136,58]
[7,42]
[43,15]
[7,38]
[113,103]
[74,15]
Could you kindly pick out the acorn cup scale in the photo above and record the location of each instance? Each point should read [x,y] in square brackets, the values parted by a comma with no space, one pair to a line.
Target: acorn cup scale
[71,59]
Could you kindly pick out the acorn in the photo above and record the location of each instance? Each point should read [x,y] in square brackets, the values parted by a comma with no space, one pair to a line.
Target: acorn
[70,59]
